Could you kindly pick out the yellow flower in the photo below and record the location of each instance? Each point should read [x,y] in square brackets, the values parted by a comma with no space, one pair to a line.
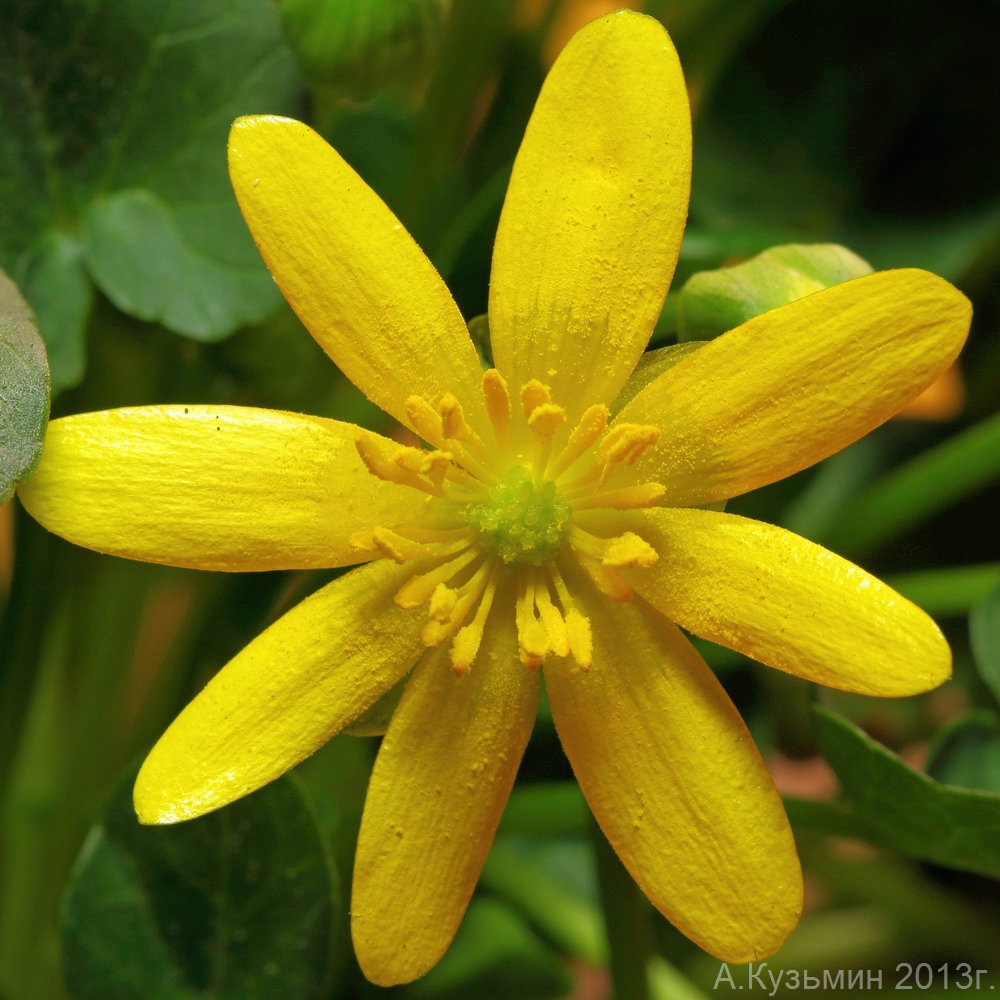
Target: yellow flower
[545,523]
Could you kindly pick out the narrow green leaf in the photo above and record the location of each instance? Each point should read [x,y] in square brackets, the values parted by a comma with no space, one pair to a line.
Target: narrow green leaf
[922,487]
[899,808]
[984,631]
[240,903]
[566,918]
[967,753]
[951,590]
[24,389]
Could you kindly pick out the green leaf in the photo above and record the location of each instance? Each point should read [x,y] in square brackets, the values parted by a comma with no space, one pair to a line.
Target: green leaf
[713,302]
[24,389]
[898,808]
[951,590]
[967,753]
[240,903]
[112,160]
[933,480]
[363,45]
[495,956]
[984,631]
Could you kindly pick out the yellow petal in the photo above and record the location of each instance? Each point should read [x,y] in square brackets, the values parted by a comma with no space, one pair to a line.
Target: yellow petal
[787,602]
[353,274]
[592,223]
[794,385]
[440,783]
[212,487]
[673,778]
[300,682]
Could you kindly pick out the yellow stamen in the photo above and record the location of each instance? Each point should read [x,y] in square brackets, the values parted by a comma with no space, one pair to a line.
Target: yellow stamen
[443,602]
[591,426]
[552,620]
[607,580]
[532,641]
[533,395]
[438,629]
[453,422]
[418,589]
[581,640]
[379,455]
[627,498]
[426,420]
[469,638]
[545,420]
[624,443]
[629,550]
[396,547]
[498,407]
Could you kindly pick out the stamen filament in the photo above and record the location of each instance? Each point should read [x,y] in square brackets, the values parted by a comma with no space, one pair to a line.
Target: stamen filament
[498,408]
[591,426]
[418,589]
[626,498]
[467,641]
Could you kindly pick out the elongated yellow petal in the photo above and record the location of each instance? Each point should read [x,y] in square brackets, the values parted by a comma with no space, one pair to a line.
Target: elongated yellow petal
[796,384]
[592,223]
[440,783]
[673,778]
[297,684]
[212,487]
[788,603]
[353,274]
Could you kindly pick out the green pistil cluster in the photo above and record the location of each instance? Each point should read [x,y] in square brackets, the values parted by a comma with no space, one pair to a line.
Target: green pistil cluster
[521,521]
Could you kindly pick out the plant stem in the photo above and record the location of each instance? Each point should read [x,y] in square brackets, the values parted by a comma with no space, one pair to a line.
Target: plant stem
[626,919]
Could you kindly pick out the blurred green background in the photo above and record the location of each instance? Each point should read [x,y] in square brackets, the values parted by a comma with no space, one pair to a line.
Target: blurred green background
[868,125]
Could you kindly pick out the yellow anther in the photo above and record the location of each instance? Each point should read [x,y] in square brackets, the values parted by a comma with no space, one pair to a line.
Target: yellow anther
[545,420]
[363,541]
[629,550]
[379,455]
[418,589]
[581,641]
[454,425]
[590,428]
[552,620]
[627,498]
[497,401]
[410,459]
[607,579]
[396,547]
[467,641]
[532,640]
[443,602]
[626,442]
[534,394]
[425,419]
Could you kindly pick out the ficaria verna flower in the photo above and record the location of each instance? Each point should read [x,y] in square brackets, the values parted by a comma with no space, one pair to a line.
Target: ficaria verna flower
[560,516]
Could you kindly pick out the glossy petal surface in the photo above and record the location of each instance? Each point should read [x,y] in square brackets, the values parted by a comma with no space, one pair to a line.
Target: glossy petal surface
[300,682]
[440,783]
[212,487]
[594,214]
[672,775]
[797,384]
[356,278]
[787,602]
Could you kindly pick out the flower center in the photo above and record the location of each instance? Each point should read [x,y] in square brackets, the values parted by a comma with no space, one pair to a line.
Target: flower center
[520,520]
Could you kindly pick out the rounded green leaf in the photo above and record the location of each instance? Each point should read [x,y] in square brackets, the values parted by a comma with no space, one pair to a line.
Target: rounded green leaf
[24,389]
[241,903]
[713,302]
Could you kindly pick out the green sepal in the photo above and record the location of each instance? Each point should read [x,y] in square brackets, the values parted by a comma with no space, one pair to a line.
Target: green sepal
[360,46]
[713,302]
[24,389]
